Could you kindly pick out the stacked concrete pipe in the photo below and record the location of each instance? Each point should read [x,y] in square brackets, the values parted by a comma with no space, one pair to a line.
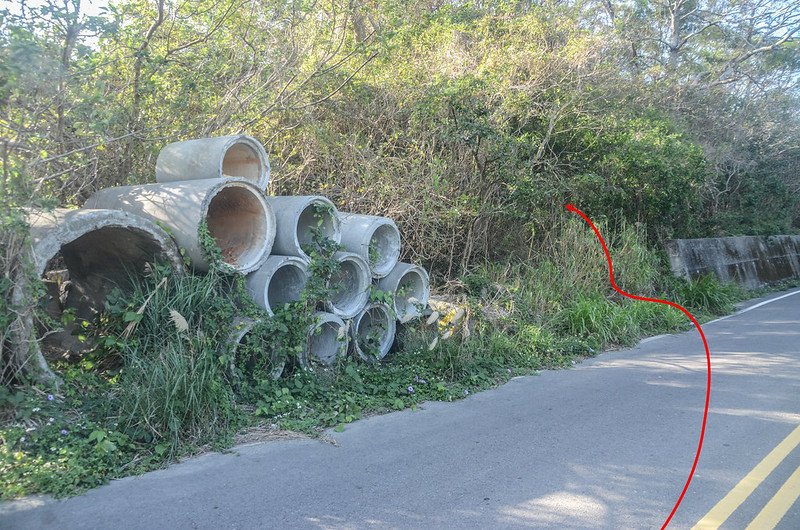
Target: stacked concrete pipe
[237,214]
[99,250]
[242,327]
[375,322]
[327,340]
[350,285]
[280,280]
[299,218]
[410,288]
[205,158]
[374,238]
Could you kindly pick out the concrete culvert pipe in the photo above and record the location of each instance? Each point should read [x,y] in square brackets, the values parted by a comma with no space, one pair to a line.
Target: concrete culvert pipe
[82,255]
[349,285]
[237,215]
[280,280]
[328,340]
[248,354]
[205,158]
[299,219]
[376,239]
[372,332]
[410,287]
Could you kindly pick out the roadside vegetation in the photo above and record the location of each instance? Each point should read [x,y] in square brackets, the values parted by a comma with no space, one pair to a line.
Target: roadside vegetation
[469,123]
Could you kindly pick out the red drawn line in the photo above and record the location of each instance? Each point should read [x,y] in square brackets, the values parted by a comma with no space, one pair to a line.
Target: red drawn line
[572,208]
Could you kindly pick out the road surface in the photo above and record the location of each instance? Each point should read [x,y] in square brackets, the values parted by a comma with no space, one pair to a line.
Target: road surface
[607,444]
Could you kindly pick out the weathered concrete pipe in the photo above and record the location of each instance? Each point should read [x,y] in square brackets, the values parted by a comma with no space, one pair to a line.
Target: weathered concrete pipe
[206,158]
[376,239]
[410,288]
[280,280]
[349,285]
[82,255]
[237,215]
[372,332]
[298,219]
[328,340]
[241,329]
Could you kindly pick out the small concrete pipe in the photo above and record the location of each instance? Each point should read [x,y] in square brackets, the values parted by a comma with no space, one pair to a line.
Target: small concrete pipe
[242,326]
[238,216]
[280,280]
[410,288]
[376,239]
[208,158]
[372,332]
[298,218]
[328,340]
[349,285]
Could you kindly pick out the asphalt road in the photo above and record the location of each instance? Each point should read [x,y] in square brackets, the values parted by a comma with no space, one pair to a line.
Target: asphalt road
[607,444]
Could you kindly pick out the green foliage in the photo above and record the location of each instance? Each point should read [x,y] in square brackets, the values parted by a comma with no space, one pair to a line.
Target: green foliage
[706,294]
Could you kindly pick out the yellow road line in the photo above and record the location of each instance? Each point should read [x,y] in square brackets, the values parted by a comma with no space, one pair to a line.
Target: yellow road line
[778,505]
[724,508]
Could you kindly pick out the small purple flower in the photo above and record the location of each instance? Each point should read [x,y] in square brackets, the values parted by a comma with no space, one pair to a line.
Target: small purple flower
[64,432]
[416,378]
[466,392]
[410,389]
[50,397]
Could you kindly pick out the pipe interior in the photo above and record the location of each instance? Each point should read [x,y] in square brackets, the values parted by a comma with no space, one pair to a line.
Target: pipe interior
[241,160]
[315,216]
[324,343]
[253,358]
[411,285]
[346,283]
[286,285]
[84,272]
[384,247]
[373,327]
[237,222]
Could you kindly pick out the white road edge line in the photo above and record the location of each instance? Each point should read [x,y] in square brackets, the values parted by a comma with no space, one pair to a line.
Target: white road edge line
[756,306]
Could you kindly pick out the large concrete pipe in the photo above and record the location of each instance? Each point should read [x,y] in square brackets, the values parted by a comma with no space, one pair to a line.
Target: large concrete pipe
[376,239]
[249,359]
[82,255]
[280,280]
[328,340]
[299,219]
[208,158]
[237,215]
[349,285]
[372,332]
[410,288]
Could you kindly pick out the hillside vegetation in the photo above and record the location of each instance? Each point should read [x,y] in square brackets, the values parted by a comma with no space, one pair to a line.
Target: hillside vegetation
[469,123]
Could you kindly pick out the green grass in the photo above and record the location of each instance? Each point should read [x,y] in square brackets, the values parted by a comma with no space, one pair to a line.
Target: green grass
[158,387]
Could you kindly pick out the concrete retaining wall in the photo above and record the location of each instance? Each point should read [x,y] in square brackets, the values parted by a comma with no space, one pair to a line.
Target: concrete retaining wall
[751,261]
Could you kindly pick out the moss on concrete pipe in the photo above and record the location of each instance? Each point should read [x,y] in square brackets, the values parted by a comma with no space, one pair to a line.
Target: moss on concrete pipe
[82,255]
[349,285]
[372,332]
[237,215]
[247,360]
[280,280]
[205,158]
[327,340]
[376,239]
[410,287]
[299,217]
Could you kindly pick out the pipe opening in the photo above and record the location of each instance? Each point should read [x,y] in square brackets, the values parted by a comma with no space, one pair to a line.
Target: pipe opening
[410,295]
[347,286]
[84,271]
[286,285]
[250,356]
[238,225]
[384,248]
[374,333]
[317,217]
[241,160]
[324,342]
